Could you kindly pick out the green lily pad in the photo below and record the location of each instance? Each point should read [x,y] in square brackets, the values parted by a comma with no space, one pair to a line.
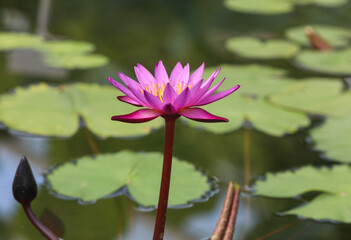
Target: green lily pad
[75,61]
[90,179]
[249,103]
[275,6]
[316,95]
[66,47]
[334,137]
[250,47]
[335,36]
[329,62]
[261,114]
[96,104]
[40,110]
[11,40]
[55,111]
[334,184]
[259,6]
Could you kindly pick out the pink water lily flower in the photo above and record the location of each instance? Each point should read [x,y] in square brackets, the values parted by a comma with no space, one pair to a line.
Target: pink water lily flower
[173,95]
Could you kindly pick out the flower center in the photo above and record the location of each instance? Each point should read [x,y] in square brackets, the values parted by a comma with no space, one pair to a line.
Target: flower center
[159,88]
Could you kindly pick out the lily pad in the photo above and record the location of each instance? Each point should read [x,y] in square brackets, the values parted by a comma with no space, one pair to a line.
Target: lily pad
[334,137]
[75,61]
[250,47]
[55,111]
[66,47]
[39,109]
[335,36]
[249,103]
[334,184]
[259,6]
[328,62]
[324,96]
[90,179]
[275,6]
[11,40]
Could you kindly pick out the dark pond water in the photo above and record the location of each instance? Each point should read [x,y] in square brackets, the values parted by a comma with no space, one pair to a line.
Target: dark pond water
[135,31]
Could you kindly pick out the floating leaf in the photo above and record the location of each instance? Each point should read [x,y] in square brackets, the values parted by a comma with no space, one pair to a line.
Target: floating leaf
[75,61]
[316,95]
[275,6]
[40,110]
[334,184]
[334,137]
[11,41]
[55,111]
[259,6]
[250,104]
[66,47]
[335,36]
[330,62]
[250,47]
[90,179]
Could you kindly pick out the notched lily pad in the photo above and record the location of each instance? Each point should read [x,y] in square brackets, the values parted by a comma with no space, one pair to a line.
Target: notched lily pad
[333,138]
[328,62]
[90,179]
[332,204]
[12,40]
[55,111]
[323,96]
[250,103]
[250,47]
[335,36]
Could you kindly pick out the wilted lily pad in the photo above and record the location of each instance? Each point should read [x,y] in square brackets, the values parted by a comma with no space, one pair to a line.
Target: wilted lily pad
[55,111]
[90,179]
[330,62]
[323,96]
[250,103]
[334,137]
[334,184]
[11,40]
[75,61]
[250,47]
[335,36]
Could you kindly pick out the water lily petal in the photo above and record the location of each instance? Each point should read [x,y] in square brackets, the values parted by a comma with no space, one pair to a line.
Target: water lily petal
[169,94]
[161,73]
[184,78]
[182,99]
[200,115]
[137,93]
[143,75]
[176,72]
[128,81]
[169,109]
[217,96]
[196,76]
[139,116]
[154,102]
[211,91]
[124,89]
[129,100]
[203,89]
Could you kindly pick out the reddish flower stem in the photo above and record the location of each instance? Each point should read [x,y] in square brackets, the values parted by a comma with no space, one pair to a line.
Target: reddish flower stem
[38,224]
[166,177]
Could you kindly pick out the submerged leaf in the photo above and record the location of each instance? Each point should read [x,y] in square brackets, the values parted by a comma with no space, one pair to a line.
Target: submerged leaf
[250,47]
[334,184]
[90,179]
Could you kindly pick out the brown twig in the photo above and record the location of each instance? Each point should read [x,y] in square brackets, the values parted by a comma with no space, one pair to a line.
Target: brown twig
[316,41]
